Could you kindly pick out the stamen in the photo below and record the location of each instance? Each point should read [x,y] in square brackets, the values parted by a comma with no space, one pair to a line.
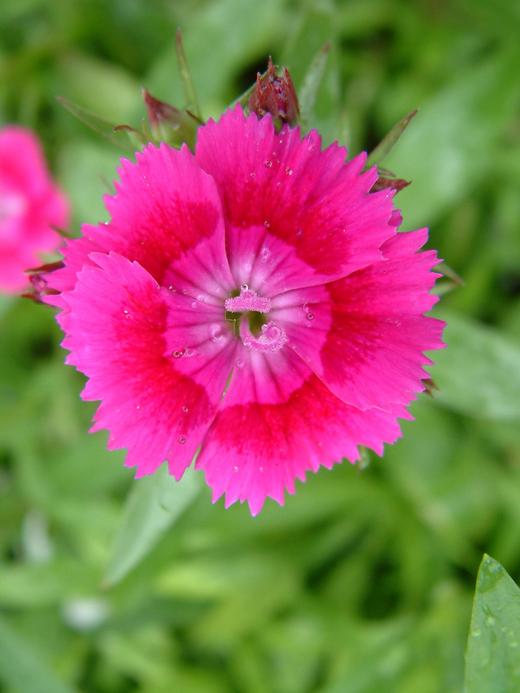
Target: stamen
[272,338]
[248,300]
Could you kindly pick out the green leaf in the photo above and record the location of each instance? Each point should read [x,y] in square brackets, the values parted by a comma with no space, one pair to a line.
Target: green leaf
[493,651]
[311,84]
[479,372]
[448,150]
[154,504]
[21,669]
[109,131]
[388,142]
[190,92]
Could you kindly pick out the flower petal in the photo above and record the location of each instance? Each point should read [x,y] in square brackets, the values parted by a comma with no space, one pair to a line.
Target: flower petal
[116,328]
[278,421]
[166,215]
[287,187]
[368,341]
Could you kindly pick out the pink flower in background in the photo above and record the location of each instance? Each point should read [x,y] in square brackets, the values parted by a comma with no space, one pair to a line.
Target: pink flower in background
[30,205]
[253,302]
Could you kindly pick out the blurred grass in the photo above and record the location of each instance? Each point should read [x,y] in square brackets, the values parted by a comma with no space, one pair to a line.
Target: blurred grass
[363,582]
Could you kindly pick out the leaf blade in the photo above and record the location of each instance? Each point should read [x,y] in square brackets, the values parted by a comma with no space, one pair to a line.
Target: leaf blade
[153,505]
[492,655]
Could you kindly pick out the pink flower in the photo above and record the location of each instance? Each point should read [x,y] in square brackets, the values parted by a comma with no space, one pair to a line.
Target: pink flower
[30,205]
[253,302]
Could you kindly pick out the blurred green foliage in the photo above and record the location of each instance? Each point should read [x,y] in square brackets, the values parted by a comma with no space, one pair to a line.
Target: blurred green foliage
[363,582]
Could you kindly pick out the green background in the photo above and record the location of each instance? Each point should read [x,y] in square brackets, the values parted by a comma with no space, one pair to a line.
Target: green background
[363,582]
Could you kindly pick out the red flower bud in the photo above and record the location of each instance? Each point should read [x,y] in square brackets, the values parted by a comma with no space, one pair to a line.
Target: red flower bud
[38,278]
[275,94]
[168,123]
[384,182]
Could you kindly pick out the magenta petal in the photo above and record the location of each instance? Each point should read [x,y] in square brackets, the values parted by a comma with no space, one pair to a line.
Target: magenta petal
[310,199]
[277,422]
[116,330]
[166,215]
[368,348]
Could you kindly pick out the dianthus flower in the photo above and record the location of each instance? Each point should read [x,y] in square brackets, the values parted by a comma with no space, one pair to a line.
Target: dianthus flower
[30,205]
[252,302]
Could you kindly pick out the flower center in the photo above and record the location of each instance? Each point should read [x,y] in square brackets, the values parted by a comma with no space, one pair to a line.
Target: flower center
[248,310]
[247,300]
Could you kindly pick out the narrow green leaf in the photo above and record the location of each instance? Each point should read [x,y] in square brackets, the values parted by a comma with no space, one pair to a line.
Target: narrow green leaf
[388,142]
[21,669]
[448,150]
[154,504]
[5,303]
[479,373]
[187,80]
[311,84]
[493,650]
[107,130]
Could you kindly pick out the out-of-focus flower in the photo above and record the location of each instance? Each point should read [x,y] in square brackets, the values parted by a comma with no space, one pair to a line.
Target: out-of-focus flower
[30,206]
[253,302]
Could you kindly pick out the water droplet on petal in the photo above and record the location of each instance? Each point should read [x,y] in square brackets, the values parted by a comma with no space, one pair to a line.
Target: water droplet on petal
[267,223]
[244,287]
[240,363]
[235,468]
[265,254]
[178,353]
[171,288]
[310,316]
[268,163]
[289,171]
[185,409]
[216,333]
[181,440]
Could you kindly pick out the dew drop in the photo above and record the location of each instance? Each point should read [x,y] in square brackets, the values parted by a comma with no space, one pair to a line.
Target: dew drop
[240,363]
[189,353]
[235,468]
[267,223]
[171,288]
[289,171]
[265,254]
[310,316]
[185,409]
[178,353]
[252,174]
[244,287]
[268,163]
[181,440]
[216,334]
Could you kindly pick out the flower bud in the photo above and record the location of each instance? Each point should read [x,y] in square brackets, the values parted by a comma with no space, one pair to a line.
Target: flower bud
[170,124]
[275,94]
